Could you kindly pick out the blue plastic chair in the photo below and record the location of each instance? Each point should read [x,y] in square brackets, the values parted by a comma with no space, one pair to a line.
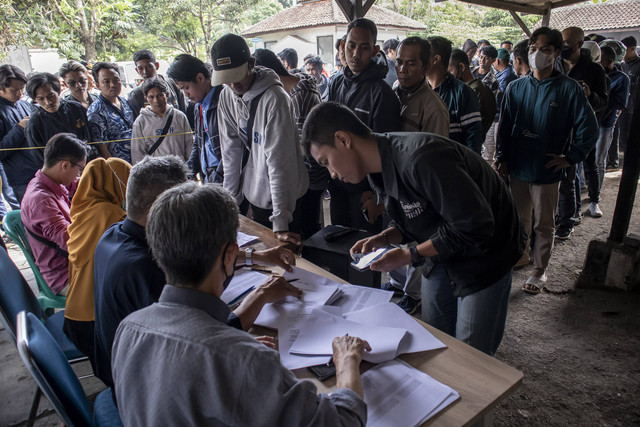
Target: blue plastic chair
[12,224]
[16,296]
[52,372]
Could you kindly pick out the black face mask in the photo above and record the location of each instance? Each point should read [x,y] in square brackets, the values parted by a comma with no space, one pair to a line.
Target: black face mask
[567,51]
[227,278]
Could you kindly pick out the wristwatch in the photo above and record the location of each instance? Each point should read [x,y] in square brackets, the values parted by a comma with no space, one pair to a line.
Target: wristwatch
[247,254]
[416,259]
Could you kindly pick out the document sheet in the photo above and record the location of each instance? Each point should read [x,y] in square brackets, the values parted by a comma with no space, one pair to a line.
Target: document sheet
[246,239]
[243,281]
[389,314]
[397,394]
[320,328]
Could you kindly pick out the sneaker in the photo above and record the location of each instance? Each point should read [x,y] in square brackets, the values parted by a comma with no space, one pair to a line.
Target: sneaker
[594,210]
[408,304]
[389,287]
[577,220]
[563,233]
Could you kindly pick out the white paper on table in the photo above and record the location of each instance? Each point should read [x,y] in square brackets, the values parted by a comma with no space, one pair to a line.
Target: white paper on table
[389,314]
[359,297]
[242,282]
[316,290]
[397,394]
[288,332]
[246,239]
[320,328]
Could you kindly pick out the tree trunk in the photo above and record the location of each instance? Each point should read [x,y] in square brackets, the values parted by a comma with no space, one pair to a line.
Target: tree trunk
[410,9]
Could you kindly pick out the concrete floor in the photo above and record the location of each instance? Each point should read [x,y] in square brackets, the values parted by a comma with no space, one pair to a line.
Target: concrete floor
[16,385]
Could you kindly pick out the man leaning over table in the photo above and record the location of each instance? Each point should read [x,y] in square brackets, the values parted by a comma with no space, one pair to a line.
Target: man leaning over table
[178,362]
[127,278]
[445,197]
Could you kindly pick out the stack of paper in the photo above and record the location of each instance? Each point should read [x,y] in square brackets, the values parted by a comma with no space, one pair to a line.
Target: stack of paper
[243,282]
[390,315]
[397,394]
[320,328]
[246,239]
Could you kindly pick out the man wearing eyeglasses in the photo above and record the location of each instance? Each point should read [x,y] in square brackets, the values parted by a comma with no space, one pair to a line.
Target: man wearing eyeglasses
[46,205]
[535,146]
[147,68]
[75,76]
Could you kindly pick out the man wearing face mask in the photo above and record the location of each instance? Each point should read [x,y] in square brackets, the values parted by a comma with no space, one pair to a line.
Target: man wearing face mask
[546,126]
[577,64]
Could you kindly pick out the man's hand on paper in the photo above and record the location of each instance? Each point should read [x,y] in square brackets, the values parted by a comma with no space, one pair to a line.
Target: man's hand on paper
[277,288]
[391,260]
[279,256]
[347,347]
[267,340]
[289,237]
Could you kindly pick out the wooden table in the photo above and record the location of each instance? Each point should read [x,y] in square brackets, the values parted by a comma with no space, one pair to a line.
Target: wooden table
[481,380]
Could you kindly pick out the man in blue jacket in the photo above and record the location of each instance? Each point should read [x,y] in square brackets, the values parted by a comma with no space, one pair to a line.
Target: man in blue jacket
[19,164]
[540,112]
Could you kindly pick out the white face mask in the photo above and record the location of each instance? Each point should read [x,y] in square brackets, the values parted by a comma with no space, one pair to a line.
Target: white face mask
[539,60]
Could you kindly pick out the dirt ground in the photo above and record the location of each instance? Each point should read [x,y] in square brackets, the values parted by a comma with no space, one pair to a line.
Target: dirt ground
[578,348]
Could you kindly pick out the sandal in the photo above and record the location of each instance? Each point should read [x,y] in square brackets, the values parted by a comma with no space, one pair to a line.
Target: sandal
[536,282]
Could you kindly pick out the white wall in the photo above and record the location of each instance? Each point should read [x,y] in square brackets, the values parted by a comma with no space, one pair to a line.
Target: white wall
[46,60]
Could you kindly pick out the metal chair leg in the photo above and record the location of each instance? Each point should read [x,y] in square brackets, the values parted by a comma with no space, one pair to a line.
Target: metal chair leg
[34,407]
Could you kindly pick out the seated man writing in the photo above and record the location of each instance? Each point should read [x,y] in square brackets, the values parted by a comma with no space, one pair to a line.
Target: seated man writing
[127,278]
[178,362]
[46,205]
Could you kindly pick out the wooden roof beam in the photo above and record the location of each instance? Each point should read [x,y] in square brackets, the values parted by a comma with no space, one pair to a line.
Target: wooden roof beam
[520,22]
[353,9]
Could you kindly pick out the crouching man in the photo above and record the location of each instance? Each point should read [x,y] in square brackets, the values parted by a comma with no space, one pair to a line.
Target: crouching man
[443,196]
[177,362]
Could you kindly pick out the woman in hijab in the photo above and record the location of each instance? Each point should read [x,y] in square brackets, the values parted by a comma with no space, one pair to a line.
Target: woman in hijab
[98,203]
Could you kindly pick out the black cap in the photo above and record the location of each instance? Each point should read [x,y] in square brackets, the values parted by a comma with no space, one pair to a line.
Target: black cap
[230,56]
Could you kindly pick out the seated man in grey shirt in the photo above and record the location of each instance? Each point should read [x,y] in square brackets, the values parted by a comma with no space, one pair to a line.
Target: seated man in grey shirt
[177,362]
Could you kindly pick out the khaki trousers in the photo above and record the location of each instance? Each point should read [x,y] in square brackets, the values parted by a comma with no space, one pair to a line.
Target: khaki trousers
[541,201]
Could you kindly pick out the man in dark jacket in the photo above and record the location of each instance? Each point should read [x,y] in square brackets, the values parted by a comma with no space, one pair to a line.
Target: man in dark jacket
[147,68]
[363,90]
[53,115]
[579,66]
[20,165]
[465,250]
[12,82]
[194,79]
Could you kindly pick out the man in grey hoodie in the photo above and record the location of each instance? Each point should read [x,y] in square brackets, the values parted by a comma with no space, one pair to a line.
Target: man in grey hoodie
[267,168]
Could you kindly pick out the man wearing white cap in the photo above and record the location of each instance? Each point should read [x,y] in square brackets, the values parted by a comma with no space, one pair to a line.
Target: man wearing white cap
[267,168]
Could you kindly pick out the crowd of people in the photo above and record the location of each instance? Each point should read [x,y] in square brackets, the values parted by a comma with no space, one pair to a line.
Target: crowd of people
[471,160]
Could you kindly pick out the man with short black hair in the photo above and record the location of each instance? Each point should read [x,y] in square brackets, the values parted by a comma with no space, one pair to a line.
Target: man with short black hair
[147,68]
[313,66]
[390,48]
[484,72]
[460,68]
[75,77]
[361,87]
[521,58]
[191,231]
[110,117]
[53,115]
[507,44]
[194,78]
[156,120]
[546,126]
[262,160]
[18,166]
[466,244]
[46,205]
[289,58]
[465,121]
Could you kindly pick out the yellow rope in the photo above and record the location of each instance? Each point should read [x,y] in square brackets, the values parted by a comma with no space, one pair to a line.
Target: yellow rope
[103,142]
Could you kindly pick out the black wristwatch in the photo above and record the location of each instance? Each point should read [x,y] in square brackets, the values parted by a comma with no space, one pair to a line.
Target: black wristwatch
[416,259]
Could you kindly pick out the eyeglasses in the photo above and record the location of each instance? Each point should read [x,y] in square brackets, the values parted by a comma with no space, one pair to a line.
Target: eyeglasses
[81,83]
[78,165]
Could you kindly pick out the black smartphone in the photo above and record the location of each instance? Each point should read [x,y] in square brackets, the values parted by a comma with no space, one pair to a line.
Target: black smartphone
[324,371]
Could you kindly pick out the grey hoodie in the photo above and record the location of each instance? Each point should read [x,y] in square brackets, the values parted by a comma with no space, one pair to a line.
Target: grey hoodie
[149,124]
[275,175]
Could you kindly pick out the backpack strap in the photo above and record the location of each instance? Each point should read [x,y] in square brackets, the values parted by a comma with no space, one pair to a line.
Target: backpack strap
[167,125]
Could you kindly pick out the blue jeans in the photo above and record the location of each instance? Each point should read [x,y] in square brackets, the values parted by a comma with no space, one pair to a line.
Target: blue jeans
[602,148]
[477,319]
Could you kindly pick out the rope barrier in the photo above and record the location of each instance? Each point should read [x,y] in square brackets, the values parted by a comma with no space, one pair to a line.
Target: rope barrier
[103,142]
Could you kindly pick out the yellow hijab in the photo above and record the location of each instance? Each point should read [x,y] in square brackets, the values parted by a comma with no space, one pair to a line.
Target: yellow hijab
[97,204]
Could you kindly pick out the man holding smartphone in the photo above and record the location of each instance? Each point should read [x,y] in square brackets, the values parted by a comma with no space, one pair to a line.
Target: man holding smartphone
[443,196]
